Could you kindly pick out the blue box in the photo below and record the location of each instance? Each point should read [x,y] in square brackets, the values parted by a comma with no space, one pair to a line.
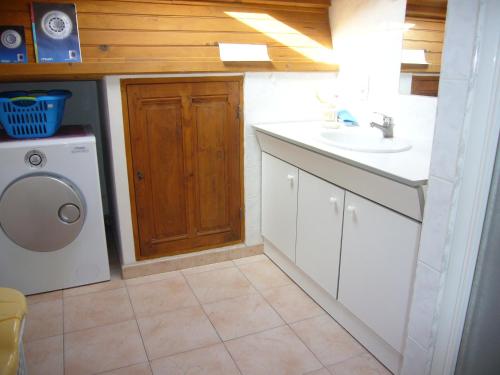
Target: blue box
[55,32]
[12,45]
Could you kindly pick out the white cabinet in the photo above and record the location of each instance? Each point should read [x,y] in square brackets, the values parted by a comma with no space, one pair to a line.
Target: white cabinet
[319,230]
[379,251]
[279,203]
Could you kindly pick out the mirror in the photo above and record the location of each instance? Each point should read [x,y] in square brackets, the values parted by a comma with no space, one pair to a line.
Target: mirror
[422,47]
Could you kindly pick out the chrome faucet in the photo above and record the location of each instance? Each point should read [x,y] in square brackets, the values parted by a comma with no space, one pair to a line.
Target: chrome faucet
[386,127]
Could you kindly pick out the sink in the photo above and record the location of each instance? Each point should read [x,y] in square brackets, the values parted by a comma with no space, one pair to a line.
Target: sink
[357,141]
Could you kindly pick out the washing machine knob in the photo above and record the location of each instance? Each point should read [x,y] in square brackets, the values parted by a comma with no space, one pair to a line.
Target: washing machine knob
[69,213]
[35,160]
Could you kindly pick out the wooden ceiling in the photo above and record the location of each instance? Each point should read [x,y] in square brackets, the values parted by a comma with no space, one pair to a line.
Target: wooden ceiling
[433,9]
[177,36]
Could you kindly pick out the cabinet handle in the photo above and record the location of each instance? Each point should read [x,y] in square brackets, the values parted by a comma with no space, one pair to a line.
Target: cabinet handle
[290,178]
[351,210]
[333,201]
[140,176]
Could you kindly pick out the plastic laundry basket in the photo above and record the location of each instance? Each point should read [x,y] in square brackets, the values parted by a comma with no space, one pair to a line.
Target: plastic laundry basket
[32,114]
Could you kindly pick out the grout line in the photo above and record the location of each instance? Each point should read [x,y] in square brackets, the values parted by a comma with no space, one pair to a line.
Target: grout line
[286,323]
[92,292]
[215,329]
[137,324]
[119,368]
[213,269]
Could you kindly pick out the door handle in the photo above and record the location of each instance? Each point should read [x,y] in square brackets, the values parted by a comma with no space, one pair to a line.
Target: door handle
[140,176]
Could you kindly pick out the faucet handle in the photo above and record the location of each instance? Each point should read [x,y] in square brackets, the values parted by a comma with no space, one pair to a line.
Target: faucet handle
[386,120]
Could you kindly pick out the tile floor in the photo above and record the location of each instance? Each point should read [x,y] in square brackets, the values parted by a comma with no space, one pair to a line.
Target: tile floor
[236,317]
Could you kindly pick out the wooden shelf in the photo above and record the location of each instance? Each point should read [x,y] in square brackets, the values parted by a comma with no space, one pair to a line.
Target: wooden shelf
[83,71]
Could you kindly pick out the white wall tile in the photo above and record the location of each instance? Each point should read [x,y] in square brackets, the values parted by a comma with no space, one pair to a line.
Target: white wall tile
[417,359]
[415,117]
[436,218]
[425,296]
[449,123]
[279,97]
[458,53]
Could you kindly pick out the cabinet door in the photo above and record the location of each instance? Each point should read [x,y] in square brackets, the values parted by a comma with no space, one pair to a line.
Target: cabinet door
[279,203]
[379,251]
[319,230]
[185,157]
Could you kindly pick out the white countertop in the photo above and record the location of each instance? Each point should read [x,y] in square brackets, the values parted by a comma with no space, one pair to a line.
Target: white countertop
[408,167]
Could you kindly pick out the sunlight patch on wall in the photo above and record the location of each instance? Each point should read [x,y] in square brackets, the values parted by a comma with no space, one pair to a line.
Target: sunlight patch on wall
[286,35]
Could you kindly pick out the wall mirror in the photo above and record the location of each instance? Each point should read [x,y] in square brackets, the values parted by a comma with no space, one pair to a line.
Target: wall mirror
[422,47]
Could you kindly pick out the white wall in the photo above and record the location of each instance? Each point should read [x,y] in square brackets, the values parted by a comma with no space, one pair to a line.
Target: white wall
[268,97]
[367,37]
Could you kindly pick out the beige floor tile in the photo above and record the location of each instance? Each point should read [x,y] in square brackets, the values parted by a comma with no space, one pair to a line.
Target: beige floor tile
[251,259]
[217,285]
[103,348]
[264,274]
[45,356]
[177,331]
[44,297]
[140,369]
[321,371]
[278,351]
[213,360]
[115,283]
[292,303]
[44,319]
[96,309]
[241,316]
[327,339]
[364,364]
[169,294]
[152,278]
[208,267]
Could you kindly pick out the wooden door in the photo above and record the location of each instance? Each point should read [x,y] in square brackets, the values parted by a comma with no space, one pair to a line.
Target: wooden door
[186,156]
[377,268]
[319,230]
[279,203]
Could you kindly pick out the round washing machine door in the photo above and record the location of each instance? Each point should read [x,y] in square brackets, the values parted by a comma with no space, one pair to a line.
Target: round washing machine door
[41,212]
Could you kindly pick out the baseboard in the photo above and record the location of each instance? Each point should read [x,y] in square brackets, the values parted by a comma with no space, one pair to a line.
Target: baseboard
[182,261]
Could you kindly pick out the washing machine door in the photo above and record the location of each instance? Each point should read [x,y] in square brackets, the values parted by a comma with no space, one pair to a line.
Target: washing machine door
[41,212]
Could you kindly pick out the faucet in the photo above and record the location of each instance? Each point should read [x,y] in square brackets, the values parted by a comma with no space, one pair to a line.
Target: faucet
[386,127]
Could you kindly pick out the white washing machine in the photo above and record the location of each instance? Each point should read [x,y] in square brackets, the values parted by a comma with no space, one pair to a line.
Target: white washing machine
[52,228]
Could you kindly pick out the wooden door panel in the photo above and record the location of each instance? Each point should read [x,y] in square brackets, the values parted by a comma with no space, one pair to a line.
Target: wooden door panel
[161,198]
[212,188]
[185,142]
[167,178]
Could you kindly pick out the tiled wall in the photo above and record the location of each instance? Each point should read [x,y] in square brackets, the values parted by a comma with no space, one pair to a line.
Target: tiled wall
[446,170]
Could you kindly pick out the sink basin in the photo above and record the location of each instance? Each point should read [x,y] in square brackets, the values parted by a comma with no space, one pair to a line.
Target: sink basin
[357,141]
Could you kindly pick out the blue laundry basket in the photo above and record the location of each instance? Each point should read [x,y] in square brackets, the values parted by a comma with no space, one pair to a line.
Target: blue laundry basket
[32,114]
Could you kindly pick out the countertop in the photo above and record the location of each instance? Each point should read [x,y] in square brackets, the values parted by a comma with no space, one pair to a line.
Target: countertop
[408,167]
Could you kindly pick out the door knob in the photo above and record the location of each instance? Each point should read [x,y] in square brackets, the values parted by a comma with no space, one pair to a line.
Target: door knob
[140,176]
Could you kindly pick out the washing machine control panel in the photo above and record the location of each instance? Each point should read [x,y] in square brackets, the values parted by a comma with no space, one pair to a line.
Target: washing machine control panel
[35,159]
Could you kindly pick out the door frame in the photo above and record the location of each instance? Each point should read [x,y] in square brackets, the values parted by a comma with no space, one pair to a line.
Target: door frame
[480,151]
[124,83]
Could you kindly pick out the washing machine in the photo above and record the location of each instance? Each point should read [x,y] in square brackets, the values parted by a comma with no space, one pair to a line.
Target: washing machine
[52,227]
